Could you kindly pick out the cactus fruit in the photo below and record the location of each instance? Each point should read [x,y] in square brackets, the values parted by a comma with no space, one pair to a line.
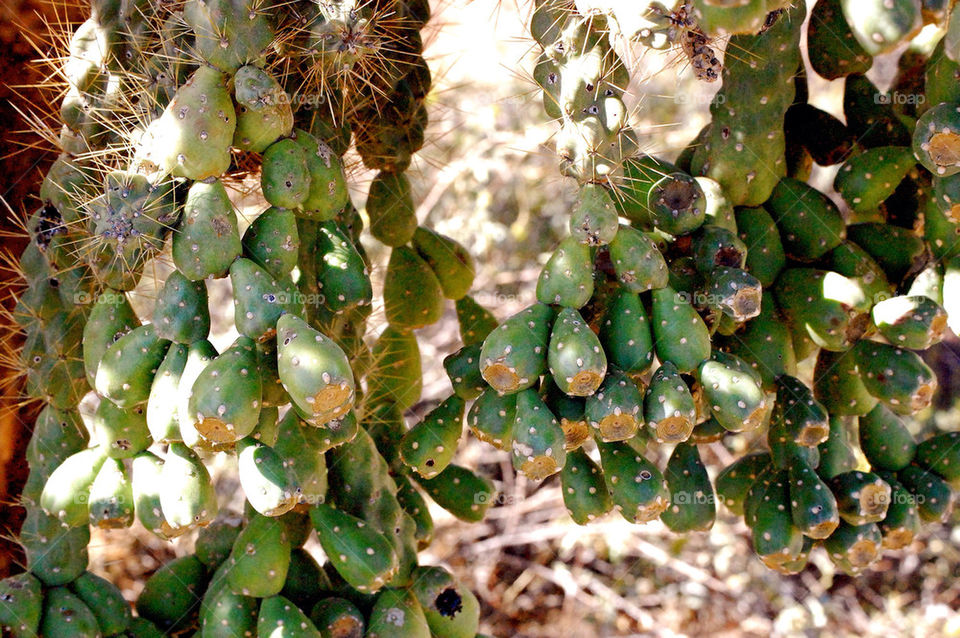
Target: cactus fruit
[691,297]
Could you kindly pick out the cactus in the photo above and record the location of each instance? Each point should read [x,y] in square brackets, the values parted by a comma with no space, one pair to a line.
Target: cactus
[693,316]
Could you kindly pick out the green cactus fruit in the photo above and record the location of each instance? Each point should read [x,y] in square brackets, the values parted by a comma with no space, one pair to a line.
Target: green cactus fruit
[871,120]
[224,614]
[214,543]
[853,548]
[812,504]
[338,618]
[263,478]
[192,137]
[935,140]
[67,490]
[810,224]
[593,220]
[677,204]
[491,418]
[390,207]
[929,284]
[363,556]
[21,603]
[784,449]
[146,483]
[65,614]
[397,614]
[111,496]
[940,231]
[56,435]
[637,261]
[450,608]
[914,322]
[731,391]
[285,179]
[301,447]
[181,314]
[584,490]
[105,601]
[263,109]
[449,261]
[187,496]
[305,577]
[836,453]
[735,480]
[805,418]
[735,292]
[939,454]
[902,522]
[397,376]
[412,294]
[776,540]
[766,257]
[416,508]
[199,356]
[55,554]
[272,241]
[717,17]
[280,618]
[515,354]
[899,378]
[229,33]
[539,443]
[461,492]
[838,385]
[715,246]
[862,497]
[829,308]
[163,423]
[933,495]
[834,51]
[259,300]
[679,333]
[429,446]
[342,274]
[885,440]
[475,321]
[259,558]
[208,240]
[128,366]
[143,628]
[765,344]
[637,488]
[171,596]
[314,371]
[225,398]
[567,277]
[614,412]
[327,195]
[693,504]
[881,26]
[625,333]
[575,358]
[866,180]
[463,370]
[850,260]
[669,407]
[570,412]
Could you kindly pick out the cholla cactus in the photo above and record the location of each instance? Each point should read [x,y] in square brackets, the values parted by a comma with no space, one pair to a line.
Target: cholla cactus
[677,311]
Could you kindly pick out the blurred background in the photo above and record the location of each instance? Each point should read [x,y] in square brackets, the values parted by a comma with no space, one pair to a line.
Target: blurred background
[489,179]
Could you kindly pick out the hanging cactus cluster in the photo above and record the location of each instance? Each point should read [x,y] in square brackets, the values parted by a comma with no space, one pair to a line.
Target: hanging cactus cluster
[680,309]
